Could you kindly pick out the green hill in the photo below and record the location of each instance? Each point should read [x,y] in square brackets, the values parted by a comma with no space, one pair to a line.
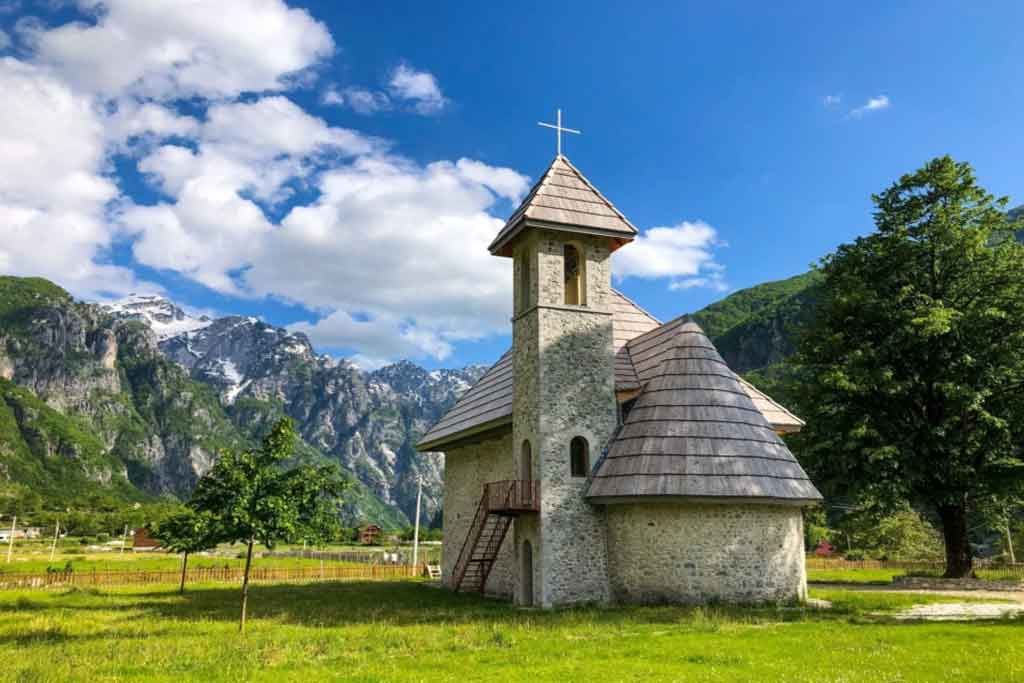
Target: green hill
[755,328]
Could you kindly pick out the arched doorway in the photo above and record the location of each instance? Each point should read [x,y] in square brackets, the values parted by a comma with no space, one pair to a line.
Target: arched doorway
[526,575]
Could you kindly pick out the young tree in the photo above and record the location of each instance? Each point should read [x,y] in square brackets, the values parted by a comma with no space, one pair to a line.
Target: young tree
[914,361]
[256,497]
[186,532]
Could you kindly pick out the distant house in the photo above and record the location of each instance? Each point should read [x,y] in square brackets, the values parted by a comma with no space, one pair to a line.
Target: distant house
[369,534]
[142,541]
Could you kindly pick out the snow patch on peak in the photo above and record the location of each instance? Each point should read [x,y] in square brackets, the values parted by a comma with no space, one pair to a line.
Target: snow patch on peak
[160,314]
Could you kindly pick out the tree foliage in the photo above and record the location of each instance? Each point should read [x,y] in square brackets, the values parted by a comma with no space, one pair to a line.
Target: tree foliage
[258,497]
[914,362]
[187,532]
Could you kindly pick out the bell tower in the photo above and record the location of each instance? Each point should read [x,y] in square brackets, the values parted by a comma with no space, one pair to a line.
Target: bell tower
[564,408]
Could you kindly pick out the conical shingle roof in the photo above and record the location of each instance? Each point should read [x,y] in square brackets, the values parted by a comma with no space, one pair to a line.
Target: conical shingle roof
[563,198]
[695,433]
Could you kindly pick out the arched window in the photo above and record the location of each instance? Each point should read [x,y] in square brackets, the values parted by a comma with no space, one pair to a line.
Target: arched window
[526,462]
[575,289]
[579,457]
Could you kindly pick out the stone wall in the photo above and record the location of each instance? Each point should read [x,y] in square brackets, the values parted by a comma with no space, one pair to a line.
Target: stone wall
[574,396]
[697,553]
[466,470]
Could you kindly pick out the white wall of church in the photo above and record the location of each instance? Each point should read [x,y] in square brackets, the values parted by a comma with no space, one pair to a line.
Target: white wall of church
[466,470]
[668,553]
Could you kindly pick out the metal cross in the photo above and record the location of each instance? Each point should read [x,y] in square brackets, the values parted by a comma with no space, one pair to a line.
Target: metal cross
[559,130]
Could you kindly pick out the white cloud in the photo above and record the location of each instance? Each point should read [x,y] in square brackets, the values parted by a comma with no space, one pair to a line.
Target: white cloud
[420,88]
[386,335]
[5,40]
[333,97]
[682,252]
[52,187]
[831,101]
[246,152]
[873,104]
[714,281]
[131,120]
[165,49]
[395,252]
[359,100]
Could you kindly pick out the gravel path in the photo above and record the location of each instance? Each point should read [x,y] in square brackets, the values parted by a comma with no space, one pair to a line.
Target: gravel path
[961,611]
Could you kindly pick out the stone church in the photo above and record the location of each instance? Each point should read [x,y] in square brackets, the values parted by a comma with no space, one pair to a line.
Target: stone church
[609,457]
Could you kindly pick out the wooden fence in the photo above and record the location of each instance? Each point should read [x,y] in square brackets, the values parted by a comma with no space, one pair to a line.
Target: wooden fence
[366,572]
[404,553]
[913,566]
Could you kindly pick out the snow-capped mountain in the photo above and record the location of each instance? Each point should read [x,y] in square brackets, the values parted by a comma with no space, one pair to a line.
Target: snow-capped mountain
[163,317]
[368,421]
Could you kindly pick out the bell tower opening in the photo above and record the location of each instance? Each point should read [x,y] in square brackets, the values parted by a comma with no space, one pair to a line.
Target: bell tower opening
[574,276]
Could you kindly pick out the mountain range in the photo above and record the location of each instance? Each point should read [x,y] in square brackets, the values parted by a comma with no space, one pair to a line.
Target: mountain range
[135,399]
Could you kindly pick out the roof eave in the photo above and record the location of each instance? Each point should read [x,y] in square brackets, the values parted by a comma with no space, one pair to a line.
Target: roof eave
[696,500]
[456,438]
[502,244]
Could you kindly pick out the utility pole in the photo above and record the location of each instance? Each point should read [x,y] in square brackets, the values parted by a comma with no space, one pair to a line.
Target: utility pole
[53,547]
[124,537]
[10,542]
[416,533]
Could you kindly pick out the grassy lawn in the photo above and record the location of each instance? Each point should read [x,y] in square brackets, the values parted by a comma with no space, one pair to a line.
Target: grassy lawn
[883,576]
[401,631]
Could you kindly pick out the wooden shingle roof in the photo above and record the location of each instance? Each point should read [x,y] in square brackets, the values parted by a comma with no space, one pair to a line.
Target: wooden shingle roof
[565,199]
[639,341]
[695,433]
[776,414]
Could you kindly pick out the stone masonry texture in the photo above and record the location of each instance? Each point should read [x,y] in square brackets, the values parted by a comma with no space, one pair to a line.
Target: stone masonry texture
[690,553]
[466,470]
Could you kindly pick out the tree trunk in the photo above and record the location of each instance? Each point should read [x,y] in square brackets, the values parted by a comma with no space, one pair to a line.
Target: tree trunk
[1009,545]
[959,562]
[245,586]
[184,567]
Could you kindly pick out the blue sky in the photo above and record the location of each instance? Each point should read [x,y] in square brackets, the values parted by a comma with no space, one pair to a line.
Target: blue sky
[337,167]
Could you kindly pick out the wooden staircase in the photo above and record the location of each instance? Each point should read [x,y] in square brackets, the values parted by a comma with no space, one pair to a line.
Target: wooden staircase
[500,503]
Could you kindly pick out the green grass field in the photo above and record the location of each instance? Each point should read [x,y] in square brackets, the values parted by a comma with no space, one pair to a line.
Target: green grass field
[884,576]
[403,631]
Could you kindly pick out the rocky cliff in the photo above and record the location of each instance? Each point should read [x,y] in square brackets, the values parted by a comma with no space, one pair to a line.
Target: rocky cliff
[155,393]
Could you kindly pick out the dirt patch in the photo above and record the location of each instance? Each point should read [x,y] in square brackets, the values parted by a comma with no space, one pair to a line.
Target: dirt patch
[959,611]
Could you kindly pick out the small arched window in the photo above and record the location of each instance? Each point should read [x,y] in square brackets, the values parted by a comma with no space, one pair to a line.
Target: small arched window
[579,457]
[575,294]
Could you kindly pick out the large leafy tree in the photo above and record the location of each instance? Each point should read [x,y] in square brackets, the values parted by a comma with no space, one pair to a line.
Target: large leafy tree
[187,532]
[914,362]
[259,497]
